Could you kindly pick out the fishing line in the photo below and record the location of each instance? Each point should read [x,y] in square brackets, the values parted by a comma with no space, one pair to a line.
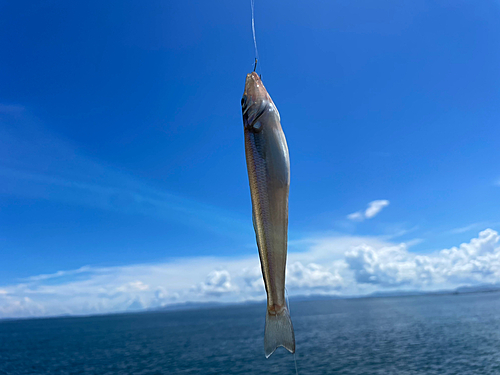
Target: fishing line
[294,357]
[252,3]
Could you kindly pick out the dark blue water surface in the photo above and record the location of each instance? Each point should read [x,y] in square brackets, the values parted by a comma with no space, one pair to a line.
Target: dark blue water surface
[447,334]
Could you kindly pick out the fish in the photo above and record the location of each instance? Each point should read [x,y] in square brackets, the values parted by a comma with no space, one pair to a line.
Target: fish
[268,166]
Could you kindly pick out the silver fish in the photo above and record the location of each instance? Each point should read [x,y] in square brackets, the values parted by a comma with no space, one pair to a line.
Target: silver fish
[268,167]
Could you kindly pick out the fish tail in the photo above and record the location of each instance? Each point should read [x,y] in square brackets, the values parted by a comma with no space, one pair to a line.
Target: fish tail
[279,331]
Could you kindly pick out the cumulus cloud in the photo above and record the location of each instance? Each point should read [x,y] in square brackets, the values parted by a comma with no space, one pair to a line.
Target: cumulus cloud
[373,209]
[387,266]
[313,277]
[253,284]
[216,284]
[475,262]
[15,306]
[339,265]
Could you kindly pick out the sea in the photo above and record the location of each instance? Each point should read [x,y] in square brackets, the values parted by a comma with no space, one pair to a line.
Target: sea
[430,334]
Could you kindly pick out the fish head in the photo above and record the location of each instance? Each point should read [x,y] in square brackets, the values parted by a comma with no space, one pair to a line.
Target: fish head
[254,88]
[255,102]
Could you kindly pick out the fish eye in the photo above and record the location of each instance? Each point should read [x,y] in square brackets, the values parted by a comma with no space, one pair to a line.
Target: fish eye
[257,126]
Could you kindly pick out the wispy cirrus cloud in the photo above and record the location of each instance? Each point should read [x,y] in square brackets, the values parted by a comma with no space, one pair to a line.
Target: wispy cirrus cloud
[356,216]
[36,164]
[465,229]
[371,211]
[338,265]
[11,109]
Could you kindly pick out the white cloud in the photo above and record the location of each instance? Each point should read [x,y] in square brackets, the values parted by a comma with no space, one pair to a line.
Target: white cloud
[386,266]
[216,284]
[373,209]
[312,277]
[471,263]
[356,216]
[133,286]
[19,307]
[253,284]
[90,290]
[339,265]
[464,229]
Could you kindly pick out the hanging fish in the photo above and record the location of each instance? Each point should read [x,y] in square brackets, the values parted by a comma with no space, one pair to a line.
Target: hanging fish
[268,167]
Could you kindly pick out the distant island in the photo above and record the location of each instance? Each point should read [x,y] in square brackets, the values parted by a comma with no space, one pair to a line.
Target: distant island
[484,288]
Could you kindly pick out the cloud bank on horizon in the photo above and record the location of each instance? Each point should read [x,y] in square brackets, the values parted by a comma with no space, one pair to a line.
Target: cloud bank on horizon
[341,265]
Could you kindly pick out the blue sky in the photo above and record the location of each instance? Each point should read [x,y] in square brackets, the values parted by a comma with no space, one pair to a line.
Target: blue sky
[121,148]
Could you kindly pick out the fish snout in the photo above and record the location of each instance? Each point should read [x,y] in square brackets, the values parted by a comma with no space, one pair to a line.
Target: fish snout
[254,87]
[253,76]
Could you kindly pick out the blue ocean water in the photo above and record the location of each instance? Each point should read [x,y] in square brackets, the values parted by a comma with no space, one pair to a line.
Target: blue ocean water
[439,334]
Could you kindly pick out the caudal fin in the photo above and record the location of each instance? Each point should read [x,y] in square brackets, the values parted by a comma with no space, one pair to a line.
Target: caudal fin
[279,332]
